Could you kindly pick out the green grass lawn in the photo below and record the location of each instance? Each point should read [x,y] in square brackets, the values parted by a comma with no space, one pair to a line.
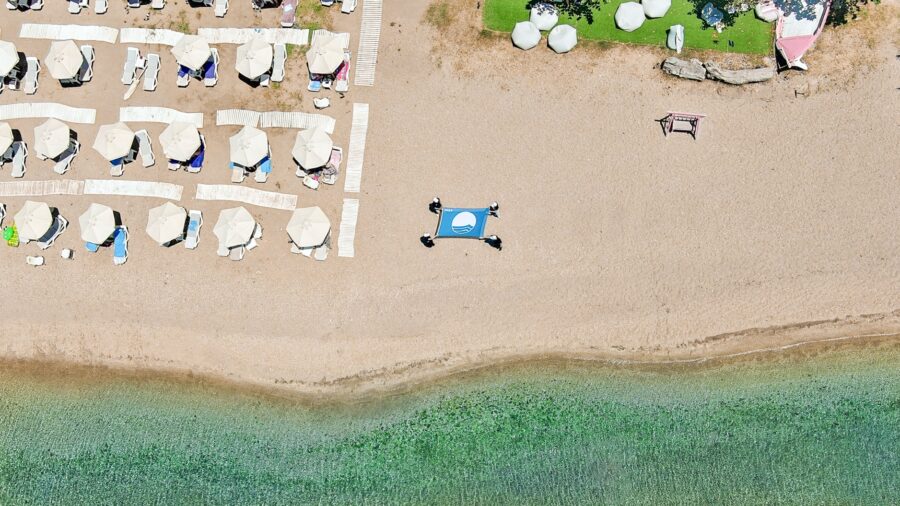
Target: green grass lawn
[749,34]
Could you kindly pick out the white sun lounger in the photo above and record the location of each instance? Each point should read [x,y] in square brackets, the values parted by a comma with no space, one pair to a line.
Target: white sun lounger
[145,148]
[2,213]
[58,228]
[348,6]
[117,168]
[34,261]
[88,52]
[157,4]
[321,253]
[120,246]
[221,8]
[195,222]
[63,165]
[31,75]
[131,61]
[237,174]
[278,64]
[20,152]
[210,82]
[101,6]
[151,72]
[236,254]
[74,7]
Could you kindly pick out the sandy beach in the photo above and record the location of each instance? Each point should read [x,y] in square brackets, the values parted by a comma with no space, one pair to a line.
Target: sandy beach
[778,225]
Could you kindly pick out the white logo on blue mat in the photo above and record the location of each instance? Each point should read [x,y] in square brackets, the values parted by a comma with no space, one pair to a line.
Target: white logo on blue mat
[463,223]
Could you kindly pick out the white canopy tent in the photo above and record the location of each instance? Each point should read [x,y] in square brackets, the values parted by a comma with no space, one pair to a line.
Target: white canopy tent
[656,8]
[544,16]
[630,16]
[562,38]
[525,35]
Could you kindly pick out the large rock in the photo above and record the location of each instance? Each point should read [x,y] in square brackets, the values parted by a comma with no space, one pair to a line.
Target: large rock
[692,69]
[746,76]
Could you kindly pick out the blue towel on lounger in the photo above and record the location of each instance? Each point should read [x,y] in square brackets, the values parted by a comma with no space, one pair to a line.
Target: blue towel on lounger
[119,250]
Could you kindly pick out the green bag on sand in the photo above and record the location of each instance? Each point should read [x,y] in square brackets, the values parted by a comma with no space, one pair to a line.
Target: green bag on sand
[11,236]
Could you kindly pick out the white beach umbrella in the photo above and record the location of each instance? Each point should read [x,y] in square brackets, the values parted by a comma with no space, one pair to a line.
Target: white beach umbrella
[254,58]
[312,148]
[308,227]
[544,16]
[525,35]
[235,227]
[562,38]
[33,220]
[6,136]
[64,59]
[180,141]
[114,141]
[249,146]
[656,8]
[166,223]
[630,16]
[9,57]
[325,57]
[51,138]
[97,223]
[192,51]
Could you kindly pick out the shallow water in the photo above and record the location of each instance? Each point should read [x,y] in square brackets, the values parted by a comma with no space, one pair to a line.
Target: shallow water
[797,429]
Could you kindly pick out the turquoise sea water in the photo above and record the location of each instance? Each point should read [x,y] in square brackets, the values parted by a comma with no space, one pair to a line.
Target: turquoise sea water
[821,429]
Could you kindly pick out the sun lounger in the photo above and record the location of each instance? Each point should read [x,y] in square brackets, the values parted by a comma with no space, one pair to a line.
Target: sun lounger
[117,167]
[342,81]
[184,76]
[237,173]
[59,226]
[221,8]
[20,152]
[134,4]
[321,253]
[196,163]
[145,148]
[131,60]
[63,165]
[157,4]
[278,63]
[236,254]
[264,169]
[120,245]
[348,6]
[195,221]
[151,72]
[91,247]
[101,6]
[74,6]
[2,214]
[288,13]
[333,167]
[211,73]
[327,3]
[87,71]
[314,85]
[31,75]
[175,165]
[34,261]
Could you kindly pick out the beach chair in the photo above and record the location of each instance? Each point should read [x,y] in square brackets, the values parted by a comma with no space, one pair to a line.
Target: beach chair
[327,3]
[91,247]
[342,80]
[59,226]
[222,251]
[184,76]
[278,63]
[237,173]
[195,221]
[157,4]
[348,6]
[321,253]
[63,165]
[31,75]
[264,169]
[288,13]
[87,71]
[236,254]
[151,72]
[221,8]
[101,6]
[134,4]
[333,167]
[131,61]
[314,85]
[117,167]
[120,246]
[74,6]
[145,148]
[175,164]
[20,152]
[12,5]
[34,261]
[211,72]
[2,214]
[196,163]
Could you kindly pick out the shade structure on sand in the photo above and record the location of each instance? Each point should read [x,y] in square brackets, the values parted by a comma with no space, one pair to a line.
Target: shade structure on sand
[630,16]
[33,220]
[249,146]
[656,8]
[166,223]
[525,35]
[254,58]
[51,138]
[64,59]
[114,141]
[308,227]
[192,51]
[562,38]
[6,136]
[97,223]
[180,141]
[9,57]
[312,149]
[235,227]
[544,16]
[325,57]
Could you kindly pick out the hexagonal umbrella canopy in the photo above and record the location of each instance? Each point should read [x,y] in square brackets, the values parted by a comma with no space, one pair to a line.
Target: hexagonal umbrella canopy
[51,138]
[249,146]
[235,227]
[114,141]
[33,220]
[64,59]
[9,57]
[6,136]
[656,8]
[166,223]
[630,16]
[525,35]
[97,223]
[192,51]
[254,58]
[562,38]
[312,149]
[544,16]
[325,57]
[180,141]
[309,227]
